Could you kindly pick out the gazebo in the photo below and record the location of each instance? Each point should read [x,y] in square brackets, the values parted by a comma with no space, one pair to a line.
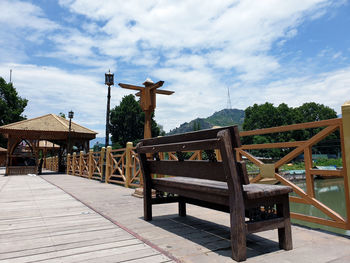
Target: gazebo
[24,141]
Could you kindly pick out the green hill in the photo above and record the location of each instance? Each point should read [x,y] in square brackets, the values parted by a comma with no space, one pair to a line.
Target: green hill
[224,117]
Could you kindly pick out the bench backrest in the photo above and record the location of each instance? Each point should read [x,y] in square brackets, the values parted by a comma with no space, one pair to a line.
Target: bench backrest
[222,139]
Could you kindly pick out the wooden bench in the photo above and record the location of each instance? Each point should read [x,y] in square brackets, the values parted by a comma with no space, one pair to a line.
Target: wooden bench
[221,185]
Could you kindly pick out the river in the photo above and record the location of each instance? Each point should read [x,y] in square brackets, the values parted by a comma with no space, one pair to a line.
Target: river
[331,193]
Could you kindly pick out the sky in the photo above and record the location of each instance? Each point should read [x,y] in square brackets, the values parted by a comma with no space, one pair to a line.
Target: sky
[278,51]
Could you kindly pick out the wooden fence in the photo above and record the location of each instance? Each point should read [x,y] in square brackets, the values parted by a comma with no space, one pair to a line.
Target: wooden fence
[271,170]
[122,166]
[51,163]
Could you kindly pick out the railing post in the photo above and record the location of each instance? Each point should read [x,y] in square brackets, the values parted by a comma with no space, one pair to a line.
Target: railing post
[108,164]
[68,162]
[74,162]
[90,164]
[128,164]
[346,155]
[81,157]
[102,164]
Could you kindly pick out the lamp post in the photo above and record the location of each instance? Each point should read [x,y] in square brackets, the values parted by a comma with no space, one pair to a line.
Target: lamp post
[70,116]
[109,81]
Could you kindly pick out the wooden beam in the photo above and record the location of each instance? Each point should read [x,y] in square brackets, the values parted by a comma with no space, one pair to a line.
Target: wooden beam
[339,173]
[310,200]
[250,157]
[128,86]
[318,220]
[272,145]
[292,127]
[164,92]
[157,85]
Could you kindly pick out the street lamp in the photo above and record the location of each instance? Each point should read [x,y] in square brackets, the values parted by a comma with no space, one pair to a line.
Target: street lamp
[109,81]
[70,116]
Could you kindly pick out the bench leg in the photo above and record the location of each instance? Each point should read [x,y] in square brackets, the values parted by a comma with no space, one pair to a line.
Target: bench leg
[182,207]
[285,233]
[147,202]
[238,236]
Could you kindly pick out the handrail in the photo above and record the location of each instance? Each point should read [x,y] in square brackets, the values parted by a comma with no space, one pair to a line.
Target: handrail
[292,127]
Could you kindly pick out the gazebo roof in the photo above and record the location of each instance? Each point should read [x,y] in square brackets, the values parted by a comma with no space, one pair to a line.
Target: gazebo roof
[49,126]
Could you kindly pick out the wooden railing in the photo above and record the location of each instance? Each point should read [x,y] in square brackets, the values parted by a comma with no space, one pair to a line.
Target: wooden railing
[51,163]
[271,170]
[123,167]
[88,165]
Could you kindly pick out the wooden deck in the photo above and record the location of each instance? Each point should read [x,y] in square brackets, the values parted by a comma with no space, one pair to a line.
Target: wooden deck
[41,223]
[61,218]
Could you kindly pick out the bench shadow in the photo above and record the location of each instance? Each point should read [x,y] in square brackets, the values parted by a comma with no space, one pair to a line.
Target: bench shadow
[212,236]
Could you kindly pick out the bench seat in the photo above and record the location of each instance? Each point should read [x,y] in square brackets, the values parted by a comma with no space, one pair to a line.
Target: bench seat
[250,191]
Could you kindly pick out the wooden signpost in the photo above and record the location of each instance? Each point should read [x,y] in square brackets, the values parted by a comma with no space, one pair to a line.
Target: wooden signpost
[147,96]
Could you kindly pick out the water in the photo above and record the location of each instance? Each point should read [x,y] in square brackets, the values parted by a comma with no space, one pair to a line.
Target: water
[331,193]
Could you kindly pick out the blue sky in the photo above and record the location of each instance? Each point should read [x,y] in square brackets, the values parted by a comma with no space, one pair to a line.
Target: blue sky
[285,51]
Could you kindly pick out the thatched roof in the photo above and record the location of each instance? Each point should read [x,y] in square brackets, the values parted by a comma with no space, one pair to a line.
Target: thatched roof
[49,126]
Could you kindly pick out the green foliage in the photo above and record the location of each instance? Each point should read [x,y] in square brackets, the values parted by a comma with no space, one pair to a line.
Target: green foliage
[267,115]
[329,162]
[61,114]
[11,106]
[127,122]
[97,147]
[224,117]
[196,126]
[319,162]
[294,166]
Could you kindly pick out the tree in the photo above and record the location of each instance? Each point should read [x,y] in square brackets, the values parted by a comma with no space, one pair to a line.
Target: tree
[11,106]
[61,114]
[196,125]
[267,115]
[127,122]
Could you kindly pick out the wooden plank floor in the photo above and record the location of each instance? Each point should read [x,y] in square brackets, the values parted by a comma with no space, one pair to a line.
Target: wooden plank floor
[41,223]
[202,236]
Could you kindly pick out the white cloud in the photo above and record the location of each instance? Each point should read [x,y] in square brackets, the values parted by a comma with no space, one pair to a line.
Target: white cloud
[20,23]
[331,89]
[199,48]
[18,14]
[52,90]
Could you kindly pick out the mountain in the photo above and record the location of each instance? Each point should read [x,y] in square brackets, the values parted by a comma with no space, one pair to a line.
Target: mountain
[99,140]
[224,117]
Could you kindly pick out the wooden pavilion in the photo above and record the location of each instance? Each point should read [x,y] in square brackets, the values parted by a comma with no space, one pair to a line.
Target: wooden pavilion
[24,141]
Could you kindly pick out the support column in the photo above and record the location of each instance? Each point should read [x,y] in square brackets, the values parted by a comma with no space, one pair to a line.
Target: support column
[81,163]
[68,162]
[128,170]
[108,164]
[103,164]
[345,132]
[90,164]
[74,162]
